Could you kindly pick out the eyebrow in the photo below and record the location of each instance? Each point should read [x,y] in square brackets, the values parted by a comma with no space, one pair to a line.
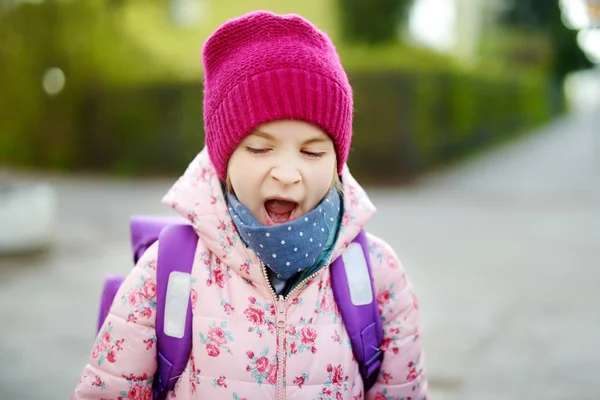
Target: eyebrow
[268,136]
[263,134]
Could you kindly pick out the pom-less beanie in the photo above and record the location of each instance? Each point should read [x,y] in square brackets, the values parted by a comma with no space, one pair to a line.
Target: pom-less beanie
[262,67]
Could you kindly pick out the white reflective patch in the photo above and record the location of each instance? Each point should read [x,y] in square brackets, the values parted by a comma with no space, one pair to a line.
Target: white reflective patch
[176,303]
[357,271]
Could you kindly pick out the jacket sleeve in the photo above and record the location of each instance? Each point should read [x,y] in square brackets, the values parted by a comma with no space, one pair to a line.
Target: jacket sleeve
[402,371]
[123,359]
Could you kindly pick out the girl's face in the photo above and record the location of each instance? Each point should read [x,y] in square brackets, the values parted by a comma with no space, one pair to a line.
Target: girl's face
[283,170]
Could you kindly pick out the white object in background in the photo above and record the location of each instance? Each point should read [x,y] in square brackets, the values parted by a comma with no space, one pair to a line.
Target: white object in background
[27,217]
[189,13]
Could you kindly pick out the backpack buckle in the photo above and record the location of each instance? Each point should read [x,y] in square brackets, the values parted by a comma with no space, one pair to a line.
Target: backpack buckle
[372,365]
[370,369]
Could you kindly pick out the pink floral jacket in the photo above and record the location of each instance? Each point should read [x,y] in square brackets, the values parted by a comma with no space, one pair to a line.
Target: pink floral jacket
[248,343]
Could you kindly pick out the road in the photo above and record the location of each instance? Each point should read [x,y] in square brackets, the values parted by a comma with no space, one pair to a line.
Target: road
[503,249]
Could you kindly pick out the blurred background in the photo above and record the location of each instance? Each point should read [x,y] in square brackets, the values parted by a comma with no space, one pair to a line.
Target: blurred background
[477,134]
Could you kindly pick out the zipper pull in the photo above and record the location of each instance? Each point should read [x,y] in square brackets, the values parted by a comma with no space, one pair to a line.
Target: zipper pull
[281,312]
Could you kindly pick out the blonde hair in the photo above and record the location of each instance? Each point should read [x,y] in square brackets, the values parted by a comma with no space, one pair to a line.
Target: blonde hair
[228,185]
[337,183]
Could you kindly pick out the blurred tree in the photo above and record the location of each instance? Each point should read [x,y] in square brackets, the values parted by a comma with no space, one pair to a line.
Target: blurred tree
[84,42]
[546,16]
[372,21]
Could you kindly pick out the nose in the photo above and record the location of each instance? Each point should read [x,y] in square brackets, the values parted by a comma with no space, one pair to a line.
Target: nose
[286,172]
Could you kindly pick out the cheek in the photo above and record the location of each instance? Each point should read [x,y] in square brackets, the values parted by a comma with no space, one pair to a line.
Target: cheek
[241,182]
[245,181]
[235,172]
[320,182]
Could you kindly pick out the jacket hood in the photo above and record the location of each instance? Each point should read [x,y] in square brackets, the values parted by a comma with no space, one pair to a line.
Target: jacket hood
[198,196]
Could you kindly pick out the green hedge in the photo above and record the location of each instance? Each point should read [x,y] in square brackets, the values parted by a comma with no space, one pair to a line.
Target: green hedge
[405,123]
[415,109]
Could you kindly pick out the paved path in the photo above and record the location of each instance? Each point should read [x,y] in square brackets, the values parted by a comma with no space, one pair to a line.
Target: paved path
[504,251]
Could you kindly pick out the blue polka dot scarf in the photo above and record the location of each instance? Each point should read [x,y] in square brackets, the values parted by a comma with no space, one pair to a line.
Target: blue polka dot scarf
[290,247]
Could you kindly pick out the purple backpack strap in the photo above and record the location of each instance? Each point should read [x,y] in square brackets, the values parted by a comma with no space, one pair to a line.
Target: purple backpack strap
[362,322]
[145,230]
[176,251]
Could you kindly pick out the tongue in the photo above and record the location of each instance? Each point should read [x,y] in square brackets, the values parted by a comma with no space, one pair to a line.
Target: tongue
[280,210]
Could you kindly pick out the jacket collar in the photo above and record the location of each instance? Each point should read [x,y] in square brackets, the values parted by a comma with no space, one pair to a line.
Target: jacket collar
[198,196]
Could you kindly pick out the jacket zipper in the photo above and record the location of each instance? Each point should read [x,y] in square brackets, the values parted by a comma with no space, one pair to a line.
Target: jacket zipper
[279,303]
[280,310]
[301,284]
[281,353]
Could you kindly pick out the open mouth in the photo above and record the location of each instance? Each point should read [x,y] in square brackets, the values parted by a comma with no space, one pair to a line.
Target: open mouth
[280,211]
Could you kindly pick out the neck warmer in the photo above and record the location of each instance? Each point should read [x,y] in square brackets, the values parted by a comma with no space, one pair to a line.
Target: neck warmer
[290,247]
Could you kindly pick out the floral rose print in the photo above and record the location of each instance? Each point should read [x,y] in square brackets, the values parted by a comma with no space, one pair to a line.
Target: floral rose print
[220,382]
[227,308]
[106,347]
[217,335]
[216,339]
[218,271]
[412,372]
[236,294]
[299,380]
[383,256]
[149,288]
[99,383]
[383,396]
[218,277]
[308,336]
[195,374]
[387,377]
[326,304]
[150,342]
[151,264]
[347,219]
[206,173]
[303,339]
[212,350]
[192,216]
[260,315]
[385,298]
[245,267]
[228,236]
[297,301]
[193,298]
[262,369]
[139,388]
[391,337]
[141,300]
[336,383]
[255,315]
[336,337]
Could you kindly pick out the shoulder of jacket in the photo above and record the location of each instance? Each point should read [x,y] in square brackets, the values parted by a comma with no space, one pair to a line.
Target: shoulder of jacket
[384,260]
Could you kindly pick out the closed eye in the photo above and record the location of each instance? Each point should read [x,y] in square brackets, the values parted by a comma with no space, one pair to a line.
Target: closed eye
[313,154]
[253,150]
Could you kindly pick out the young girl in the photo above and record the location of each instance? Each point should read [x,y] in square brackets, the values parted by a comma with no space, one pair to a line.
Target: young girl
[273,204]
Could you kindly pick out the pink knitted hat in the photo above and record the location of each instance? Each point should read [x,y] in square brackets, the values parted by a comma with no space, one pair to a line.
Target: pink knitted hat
[262,67]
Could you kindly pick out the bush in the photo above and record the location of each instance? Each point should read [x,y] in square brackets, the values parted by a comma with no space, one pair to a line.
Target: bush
[372,21]
[405,123]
